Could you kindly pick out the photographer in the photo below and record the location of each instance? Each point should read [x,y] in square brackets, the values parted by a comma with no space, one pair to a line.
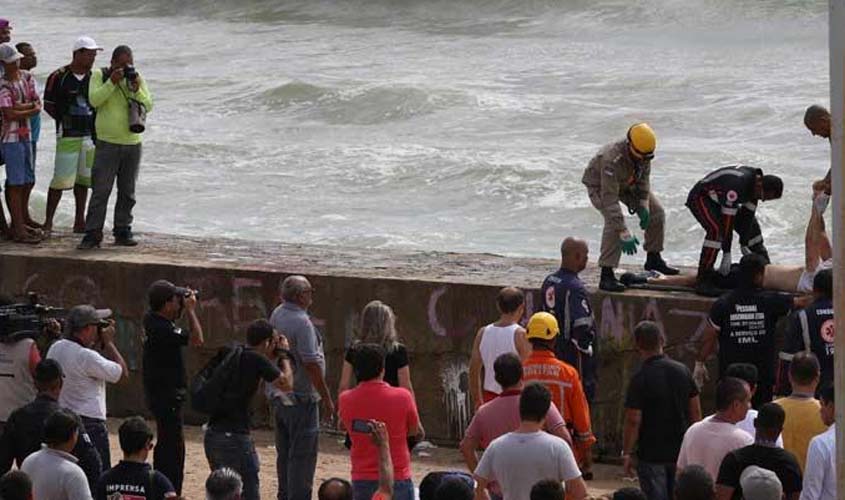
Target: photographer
[165,381]
[227,441]
[113,91]
[87,370]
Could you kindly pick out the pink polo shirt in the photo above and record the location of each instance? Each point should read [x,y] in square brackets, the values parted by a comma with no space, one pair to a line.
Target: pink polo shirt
[501,415]
[376,400]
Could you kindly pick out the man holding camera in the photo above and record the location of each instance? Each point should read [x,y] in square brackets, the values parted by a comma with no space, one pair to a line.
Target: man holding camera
[165,381]
[117,93]
[87,370]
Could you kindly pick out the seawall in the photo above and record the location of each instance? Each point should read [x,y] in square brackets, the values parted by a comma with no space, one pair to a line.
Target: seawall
[440,300]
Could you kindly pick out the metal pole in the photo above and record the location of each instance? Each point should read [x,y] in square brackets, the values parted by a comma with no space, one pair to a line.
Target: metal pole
[837,103]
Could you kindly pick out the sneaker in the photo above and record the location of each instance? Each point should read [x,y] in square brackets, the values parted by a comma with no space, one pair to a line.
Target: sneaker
[123,237]
[88,242]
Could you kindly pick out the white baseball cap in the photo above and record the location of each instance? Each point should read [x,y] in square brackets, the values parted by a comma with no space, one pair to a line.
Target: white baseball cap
[85,42]
[760,484]
[8,53]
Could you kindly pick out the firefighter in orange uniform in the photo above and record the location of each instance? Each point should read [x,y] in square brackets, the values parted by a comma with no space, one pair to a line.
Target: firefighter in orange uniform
[563,382]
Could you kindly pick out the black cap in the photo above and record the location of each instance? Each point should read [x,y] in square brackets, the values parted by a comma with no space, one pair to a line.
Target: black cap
[161,291]
[48,370]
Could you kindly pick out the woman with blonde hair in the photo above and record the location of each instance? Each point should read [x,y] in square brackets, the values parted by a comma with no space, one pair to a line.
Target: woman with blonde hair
[378,326]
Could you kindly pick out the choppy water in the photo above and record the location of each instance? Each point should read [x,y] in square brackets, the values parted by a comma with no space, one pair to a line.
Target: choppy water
[458,125]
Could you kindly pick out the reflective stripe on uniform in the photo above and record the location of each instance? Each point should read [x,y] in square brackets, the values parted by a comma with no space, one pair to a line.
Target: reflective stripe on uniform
[729,211]
[712,244]
[749,205]
[585,321]
[805,329]
[755,240]
[785,356]
[745,250]
[719,173]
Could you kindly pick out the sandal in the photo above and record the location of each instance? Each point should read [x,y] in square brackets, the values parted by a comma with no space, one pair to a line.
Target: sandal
[29,240]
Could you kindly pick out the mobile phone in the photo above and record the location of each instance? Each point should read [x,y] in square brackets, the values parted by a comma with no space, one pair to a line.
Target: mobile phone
[361,425]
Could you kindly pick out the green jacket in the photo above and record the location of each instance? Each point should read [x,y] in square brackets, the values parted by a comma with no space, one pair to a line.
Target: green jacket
[112,121]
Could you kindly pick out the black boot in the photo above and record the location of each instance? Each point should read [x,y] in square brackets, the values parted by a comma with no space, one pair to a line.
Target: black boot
[608,281]
[123,237]
[654,262]
[90,241]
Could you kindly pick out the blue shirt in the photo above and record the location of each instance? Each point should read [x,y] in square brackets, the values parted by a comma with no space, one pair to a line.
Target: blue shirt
[306,345]
[565,296]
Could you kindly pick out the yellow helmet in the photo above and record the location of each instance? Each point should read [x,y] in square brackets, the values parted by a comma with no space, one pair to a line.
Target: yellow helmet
[641,137]
[542,325]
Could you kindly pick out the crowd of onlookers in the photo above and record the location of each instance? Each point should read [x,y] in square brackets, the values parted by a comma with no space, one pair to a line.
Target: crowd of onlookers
[99,115]
[531,387]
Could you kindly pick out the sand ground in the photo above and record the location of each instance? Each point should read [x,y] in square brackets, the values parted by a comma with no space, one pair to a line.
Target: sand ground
[332,461]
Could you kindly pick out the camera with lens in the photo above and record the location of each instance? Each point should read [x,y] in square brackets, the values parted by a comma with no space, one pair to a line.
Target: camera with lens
[28,320]
[130,73]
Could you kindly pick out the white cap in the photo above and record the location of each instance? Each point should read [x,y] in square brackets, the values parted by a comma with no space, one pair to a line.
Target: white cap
[760,484]
[8,53]
[85,42]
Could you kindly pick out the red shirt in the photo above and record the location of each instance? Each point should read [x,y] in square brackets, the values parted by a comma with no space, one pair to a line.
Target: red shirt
[376,400]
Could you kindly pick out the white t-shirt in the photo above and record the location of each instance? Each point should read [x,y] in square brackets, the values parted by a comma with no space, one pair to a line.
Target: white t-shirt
[707,442]
[820,471]
[748,426]
[86,373]
[517,461]
[55,476]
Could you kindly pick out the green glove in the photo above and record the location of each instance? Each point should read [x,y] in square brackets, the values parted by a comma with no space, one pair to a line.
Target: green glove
[644,216]
[629,243]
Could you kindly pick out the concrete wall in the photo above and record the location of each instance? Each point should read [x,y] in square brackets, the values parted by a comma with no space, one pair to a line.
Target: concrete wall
[436,319]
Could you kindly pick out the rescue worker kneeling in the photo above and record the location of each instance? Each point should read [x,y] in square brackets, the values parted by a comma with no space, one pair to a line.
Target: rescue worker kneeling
[724,201]
[620,173]
[563,382]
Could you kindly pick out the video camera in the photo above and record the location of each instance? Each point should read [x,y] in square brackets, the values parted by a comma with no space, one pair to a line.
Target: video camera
[27,320]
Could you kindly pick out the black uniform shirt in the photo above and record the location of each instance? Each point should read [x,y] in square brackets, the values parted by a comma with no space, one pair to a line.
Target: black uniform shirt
[746,320]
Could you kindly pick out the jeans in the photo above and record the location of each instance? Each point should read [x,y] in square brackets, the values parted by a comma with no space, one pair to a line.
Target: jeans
[236,451]
[99,435]
[364,489]
[656,480]
[113,161]
[169,453]
[297,433]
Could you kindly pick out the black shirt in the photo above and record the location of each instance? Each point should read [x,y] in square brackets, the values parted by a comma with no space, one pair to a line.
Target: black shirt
[253,368]
[661,390]
[134,482]
[817,318]
[746,320]
[24,433]
[164,359]
[395,359]
[777,460]
[66,100]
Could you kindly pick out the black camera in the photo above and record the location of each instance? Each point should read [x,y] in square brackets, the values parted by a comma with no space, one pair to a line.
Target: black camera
[27,319]
[130,73]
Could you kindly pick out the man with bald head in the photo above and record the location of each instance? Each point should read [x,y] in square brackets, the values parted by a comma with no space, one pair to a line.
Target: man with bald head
[817,121]
[565,296]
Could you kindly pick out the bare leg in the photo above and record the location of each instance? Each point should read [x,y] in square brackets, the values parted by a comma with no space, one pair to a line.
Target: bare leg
[813,238]
[54,196]
[679,280]
[27,217]
[80,194]
[5,231]
[16,196]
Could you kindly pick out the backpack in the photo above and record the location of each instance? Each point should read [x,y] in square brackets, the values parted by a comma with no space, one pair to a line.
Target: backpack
[213,388]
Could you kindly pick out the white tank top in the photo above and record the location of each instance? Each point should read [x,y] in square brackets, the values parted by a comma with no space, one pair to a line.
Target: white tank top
[495,341]
[16,385]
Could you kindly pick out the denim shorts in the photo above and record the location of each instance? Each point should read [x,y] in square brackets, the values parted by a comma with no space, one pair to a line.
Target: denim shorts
[19,168]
